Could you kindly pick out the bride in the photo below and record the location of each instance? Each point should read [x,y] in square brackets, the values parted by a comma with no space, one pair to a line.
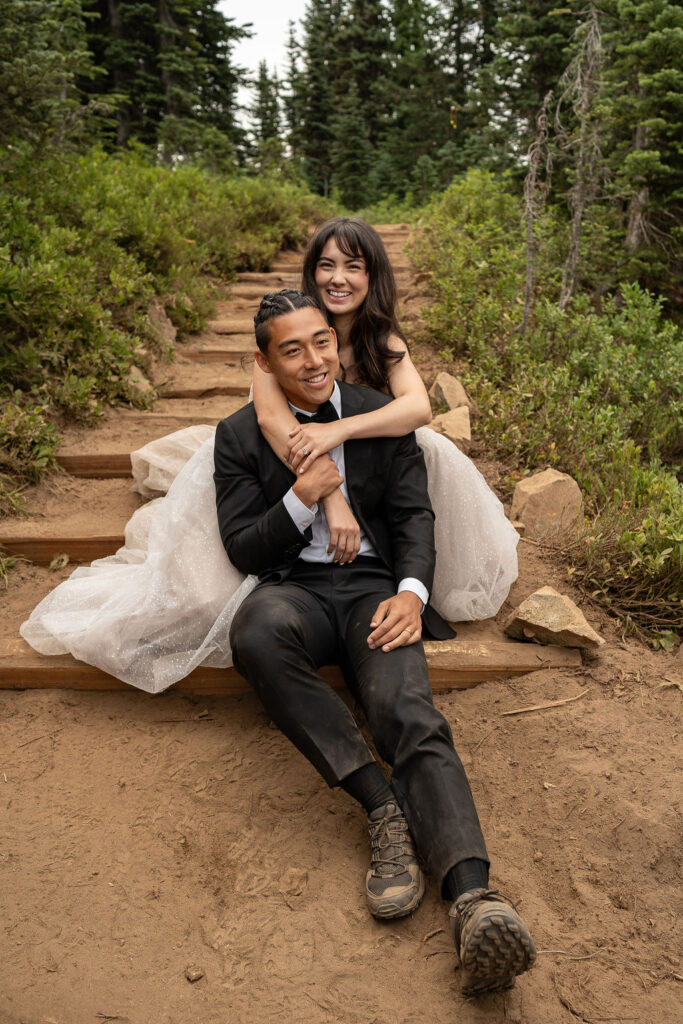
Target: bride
[163,604]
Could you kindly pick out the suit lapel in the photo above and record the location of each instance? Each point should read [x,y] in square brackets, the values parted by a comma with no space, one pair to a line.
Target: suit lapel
[357,454]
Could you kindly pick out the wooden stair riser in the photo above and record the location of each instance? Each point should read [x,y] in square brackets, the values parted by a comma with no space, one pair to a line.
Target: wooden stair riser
[452,665]
[180,391]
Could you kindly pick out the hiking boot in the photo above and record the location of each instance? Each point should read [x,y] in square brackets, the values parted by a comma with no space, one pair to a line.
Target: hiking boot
[491,940]
[394,884]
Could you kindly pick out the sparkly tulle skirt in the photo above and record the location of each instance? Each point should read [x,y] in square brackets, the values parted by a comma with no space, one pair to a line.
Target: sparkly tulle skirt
[163,604]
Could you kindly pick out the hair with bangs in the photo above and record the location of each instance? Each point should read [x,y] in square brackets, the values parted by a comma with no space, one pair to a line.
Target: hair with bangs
[376,319]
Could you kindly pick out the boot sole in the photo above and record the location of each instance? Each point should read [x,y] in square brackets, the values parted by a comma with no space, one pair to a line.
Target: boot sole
[390,911]
[498,949]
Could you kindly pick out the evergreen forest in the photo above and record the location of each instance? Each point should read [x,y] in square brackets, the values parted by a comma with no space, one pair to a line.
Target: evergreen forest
[538,147]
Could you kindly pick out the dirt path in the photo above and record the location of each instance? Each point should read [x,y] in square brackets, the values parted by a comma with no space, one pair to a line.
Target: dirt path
[141,836]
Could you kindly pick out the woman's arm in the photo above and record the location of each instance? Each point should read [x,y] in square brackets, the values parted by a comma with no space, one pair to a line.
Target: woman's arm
[410,409]
[275,420]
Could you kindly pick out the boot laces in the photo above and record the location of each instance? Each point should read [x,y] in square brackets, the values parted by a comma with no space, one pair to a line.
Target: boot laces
[390,840]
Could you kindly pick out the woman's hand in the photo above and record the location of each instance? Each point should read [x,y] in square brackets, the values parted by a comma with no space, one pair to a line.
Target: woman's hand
[315,438]
[343,526]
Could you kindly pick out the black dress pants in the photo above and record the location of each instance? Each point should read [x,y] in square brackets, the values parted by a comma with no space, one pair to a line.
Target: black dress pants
[284,631]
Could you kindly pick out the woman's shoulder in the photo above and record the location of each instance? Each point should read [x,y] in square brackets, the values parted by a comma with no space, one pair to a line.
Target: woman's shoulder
[396,343]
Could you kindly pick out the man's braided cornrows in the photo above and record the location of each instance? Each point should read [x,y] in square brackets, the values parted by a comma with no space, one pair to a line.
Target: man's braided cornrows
[276,304]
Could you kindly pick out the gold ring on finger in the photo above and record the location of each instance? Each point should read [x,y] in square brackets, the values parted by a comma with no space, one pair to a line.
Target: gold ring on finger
[408,631]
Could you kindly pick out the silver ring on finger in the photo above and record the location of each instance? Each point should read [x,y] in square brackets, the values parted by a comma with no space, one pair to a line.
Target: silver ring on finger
[305,451]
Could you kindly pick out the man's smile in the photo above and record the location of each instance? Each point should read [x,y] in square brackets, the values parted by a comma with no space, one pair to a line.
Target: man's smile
[317,380]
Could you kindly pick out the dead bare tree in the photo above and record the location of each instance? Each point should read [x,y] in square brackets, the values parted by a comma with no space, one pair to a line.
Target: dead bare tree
[535,192]
[580,87]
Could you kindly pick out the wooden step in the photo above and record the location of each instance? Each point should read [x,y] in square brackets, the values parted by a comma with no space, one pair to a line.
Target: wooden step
[453,664]
[271,281]
[106,466]
[232,325]
[191,379]
[218,352]
[42,550]
[123,431]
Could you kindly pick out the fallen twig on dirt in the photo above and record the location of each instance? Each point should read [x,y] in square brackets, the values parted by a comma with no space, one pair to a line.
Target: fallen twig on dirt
[483,740]
[544,707]
[430,935]
[436,952]
[41,737]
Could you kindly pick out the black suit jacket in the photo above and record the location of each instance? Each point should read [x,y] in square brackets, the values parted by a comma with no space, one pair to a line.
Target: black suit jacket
[387,484]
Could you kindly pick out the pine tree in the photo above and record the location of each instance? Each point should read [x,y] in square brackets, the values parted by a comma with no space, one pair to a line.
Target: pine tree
[294,100]
[420,112]
[361,55]
[642,119]
[265,110]
[351,150]
[317,92]
[43,54]
[170,66]
[522,49]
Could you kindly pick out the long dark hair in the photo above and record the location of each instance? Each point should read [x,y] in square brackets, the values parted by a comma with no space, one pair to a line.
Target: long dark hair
[375,320]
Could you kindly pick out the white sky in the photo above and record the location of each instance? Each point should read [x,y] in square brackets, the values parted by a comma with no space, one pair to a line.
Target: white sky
[270,20]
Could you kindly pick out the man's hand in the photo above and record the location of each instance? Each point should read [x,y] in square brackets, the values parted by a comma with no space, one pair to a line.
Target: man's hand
[321,479]
[343,527]
[397,622]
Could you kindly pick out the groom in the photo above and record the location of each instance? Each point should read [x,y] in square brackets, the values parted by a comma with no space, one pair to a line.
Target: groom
[368,617]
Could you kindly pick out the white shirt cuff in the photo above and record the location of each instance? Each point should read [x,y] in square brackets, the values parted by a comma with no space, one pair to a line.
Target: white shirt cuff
[301,515]
[410,583]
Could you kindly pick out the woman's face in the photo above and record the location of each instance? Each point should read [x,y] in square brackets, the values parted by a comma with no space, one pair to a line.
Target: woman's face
[342,280]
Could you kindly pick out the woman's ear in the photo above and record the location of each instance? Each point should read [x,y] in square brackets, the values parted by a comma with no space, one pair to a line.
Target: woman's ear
[262,361]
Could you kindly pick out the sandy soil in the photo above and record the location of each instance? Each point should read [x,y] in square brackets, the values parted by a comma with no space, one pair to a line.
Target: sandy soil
[144,838]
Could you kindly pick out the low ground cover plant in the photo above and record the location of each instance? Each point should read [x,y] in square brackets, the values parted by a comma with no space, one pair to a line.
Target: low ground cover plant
[595,390]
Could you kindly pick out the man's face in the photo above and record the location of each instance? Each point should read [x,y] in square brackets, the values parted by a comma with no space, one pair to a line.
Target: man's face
[302,356]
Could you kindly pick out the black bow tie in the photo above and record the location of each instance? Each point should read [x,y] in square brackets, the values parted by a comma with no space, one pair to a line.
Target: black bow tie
[325,414]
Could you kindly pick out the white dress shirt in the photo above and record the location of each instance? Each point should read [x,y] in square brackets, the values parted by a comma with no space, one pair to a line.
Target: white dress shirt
[303,516]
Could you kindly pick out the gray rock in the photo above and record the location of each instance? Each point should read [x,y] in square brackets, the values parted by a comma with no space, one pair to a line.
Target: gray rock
[552,618]
[548,503]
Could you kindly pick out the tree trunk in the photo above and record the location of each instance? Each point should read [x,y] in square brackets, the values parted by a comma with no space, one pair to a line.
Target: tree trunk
[636,236]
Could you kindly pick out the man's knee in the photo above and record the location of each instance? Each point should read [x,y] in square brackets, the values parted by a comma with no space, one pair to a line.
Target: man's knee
[264,621]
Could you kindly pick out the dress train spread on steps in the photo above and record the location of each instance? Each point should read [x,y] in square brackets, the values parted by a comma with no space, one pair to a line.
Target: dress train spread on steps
[163,604]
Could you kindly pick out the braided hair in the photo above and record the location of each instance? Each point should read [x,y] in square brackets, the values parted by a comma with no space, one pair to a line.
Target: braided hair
[276,304]
[376,319]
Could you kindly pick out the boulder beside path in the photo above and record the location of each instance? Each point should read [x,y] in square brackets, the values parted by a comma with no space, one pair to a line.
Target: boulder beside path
[548,503]
[455,425]
[552,618]
[448,389]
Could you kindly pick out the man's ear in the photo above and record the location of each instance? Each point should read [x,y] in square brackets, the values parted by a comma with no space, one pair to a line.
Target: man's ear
[262,361]
[334,335]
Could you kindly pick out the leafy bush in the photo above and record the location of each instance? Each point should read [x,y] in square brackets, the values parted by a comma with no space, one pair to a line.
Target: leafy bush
[596,395]
[87,241]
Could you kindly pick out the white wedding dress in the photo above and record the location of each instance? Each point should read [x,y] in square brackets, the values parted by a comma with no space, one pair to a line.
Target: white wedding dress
[163,604]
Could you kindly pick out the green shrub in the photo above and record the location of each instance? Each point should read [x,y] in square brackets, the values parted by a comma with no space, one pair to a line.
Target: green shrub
[596,395]
[87,241]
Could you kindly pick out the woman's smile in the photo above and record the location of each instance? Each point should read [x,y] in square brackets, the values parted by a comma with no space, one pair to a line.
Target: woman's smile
[342,280]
